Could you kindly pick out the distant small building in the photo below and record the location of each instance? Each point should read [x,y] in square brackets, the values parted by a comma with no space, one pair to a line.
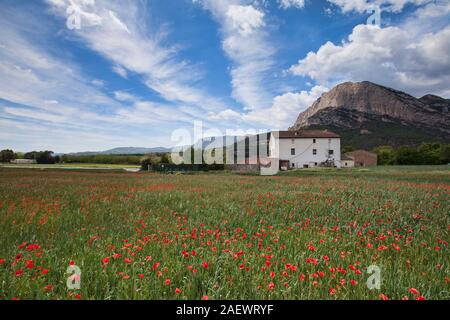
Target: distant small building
[347,162]
[24,161]
[362,158]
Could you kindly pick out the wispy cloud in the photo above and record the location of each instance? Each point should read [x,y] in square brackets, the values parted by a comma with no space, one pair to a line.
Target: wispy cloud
[246,43]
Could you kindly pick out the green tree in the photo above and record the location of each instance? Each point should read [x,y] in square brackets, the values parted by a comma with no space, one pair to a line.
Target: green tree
[7,155]
[386,155]
[430,153]
[406,155]
[444,156]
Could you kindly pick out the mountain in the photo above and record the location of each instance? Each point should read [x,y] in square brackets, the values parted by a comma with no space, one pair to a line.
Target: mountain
[366,115]
[123,151]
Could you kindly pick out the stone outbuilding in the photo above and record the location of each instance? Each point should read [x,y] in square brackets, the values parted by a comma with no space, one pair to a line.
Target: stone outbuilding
[362,158]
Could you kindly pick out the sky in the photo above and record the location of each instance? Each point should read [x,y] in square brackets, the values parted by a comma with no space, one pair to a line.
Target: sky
[79,75]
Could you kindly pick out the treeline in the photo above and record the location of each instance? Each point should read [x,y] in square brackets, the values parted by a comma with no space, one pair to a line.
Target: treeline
[48,157]
[425,154]
[43,157]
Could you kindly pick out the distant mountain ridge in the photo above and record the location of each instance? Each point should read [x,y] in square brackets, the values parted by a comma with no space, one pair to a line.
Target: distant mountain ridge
[122,151]
[366,115]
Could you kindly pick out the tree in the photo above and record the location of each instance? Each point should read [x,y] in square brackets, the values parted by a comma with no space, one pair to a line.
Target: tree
[406,155]
[444,156]
[41,157]
[386,155]
[165,158]
[7,155]
[430,153]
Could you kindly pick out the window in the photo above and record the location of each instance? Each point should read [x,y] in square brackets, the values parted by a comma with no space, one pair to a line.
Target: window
[293,152]
[314,151]
[293,165]
[330,152]
[314,140]
[292,140]
[315,163]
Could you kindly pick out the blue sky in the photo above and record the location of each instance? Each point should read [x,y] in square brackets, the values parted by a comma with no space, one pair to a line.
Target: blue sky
[132,72]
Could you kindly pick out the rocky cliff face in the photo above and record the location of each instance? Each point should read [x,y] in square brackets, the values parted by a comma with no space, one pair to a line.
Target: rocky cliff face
[364,108]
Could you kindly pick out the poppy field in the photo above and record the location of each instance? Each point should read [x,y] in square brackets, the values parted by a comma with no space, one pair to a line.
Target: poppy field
[309,235]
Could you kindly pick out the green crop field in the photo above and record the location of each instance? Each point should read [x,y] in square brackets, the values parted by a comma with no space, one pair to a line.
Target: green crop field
[301,235]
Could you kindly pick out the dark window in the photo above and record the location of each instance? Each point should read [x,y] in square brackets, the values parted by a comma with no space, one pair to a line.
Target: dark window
[314,140]
[293,152]
[330,152]
[315,163]
[314,151]
[293,165]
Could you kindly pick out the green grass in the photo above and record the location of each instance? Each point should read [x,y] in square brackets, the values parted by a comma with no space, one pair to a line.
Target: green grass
[69,165]
[250,231]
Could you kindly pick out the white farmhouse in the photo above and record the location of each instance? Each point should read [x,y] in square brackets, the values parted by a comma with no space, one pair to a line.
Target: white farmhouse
[306,148]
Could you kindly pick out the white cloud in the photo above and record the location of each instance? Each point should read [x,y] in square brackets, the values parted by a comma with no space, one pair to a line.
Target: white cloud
[245,19]
[286,4]
[281,114]
[398,58]
[124,96]
[120,71]
[125,40]
[387,5]
[246,43]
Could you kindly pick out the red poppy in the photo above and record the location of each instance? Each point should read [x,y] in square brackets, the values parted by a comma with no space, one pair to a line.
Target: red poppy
[48,287]
[116,255]
[105,260]
[384,297]
[22,245]
[420,298]
[332,291]
[30,264]
[19,272]
[141,276]
[78,296]
[167,282]
[45,271]
[71,262]
[205,265]
[177,290]
[414,291]
[127,260]
[205,298]
[2,261]
[156,265]
[271,286]
[325,258]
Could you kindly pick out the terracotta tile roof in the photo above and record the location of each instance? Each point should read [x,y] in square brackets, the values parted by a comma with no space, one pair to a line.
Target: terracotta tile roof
[301,134]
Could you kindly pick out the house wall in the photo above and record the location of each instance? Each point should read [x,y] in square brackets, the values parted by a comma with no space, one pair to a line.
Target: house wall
[304,151]
[347,163]
[363,158]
